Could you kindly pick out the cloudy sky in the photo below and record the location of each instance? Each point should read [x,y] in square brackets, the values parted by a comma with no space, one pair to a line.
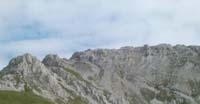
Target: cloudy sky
[65,26]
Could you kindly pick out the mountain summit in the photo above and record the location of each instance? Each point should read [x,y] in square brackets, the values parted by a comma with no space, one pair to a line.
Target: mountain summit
[161,74]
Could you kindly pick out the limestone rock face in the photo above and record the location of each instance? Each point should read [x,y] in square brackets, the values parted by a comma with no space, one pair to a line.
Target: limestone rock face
[161,74]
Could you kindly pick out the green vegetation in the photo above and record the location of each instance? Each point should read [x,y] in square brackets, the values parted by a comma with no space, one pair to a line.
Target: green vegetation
[147,94]
[76,74]
[77,100]
[106,93]
[60,101]
[93,78]
[67,90]
[27,88]
[17,78]
[87,66]
[134,99]
[90,78]
[121,74]
[164,95]
[11,97]
[104,54]
[171,97]
[195,85]
[1,76]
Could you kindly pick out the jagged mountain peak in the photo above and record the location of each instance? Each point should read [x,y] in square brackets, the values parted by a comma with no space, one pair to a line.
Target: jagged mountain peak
[161,74]
[51,59]
[55,60]
[160,48]
[24,64]
[26,58]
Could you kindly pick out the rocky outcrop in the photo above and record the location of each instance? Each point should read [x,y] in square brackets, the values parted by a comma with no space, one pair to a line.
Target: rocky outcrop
[161,74]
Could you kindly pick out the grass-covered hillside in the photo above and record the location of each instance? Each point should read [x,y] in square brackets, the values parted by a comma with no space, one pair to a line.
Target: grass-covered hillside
[11,97]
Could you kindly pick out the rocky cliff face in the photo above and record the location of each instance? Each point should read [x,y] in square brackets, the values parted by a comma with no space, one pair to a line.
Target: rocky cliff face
[161,74]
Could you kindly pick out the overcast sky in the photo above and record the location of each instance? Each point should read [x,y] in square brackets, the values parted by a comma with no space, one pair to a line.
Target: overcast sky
[65,26]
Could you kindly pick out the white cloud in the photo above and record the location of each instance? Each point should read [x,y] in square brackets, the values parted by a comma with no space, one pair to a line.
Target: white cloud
[72,25]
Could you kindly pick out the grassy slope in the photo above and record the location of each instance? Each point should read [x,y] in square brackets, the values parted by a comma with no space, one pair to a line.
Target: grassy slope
[11,97]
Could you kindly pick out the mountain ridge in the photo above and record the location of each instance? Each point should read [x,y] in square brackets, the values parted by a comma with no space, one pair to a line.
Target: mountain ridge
[161,74]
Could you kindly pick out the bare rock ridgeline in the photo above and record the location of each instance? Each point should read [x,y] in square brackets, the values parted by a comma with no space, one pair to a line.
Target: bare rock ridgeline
[161,74]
